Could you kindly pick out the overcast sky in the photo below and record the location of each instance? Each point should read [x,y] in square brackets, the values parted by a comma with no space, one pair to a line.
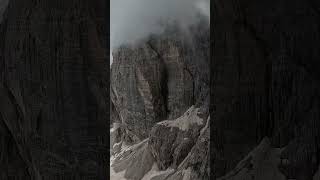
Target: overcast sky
[132,20]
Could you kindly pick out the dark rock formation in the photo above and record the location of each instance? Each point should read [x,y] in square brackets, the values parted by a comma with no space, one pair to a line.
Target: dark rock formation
[265,83]
[261,163]
[3,7]
[54,90]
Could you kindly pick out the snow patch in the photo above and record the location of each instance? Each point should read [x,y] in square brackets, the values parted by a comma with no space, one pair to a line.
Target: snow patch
[113,174]
[119,156]
[206,126]
[127,149]
[184,122]
[115,127]
[156,172]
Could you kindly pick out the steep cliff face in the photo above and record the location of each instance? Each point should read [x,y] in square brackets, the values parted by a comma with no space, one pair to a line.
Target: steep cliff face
[160,92]
[136,90]
[265,83]
[159,78]
[53,74]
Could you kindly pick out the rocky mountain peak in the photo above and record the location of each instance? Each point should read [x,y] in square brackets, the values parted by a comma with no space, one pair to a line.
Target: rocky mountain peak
[160,92]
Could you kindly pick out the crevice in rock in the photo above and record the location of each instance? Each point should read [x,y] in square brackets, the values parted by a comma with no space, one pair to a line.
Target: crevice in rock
[164,80]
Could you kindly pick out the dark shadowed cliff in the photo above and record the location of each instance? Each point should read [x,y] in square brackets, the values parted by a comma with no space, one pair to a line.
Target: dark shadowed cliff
[265,84]
[53,89]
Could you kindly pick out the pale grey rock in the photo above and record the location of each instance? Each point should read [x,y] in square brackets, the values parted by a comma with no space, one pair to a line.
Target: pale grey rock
[159,78]
[196,165]
[136,89]
[154,83]
[136,161]
[171,141]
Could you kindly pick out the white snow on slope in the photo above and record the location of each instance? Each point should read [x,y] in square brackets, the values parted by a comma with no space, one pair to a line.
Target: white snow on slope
[115,127]
[156,172]
[189,118]
[184,122]
[124,151]
[120,175]
[113,174]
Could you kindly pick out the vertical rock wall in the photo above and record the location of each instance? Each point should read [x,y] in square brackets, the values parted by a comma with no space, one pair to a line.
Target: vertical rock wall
[266,82]
[54,66]
[159,78]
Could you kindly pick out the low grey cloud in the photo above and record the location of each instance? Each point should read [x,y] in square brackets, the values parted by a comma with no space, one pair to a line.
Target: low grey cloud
[132,20]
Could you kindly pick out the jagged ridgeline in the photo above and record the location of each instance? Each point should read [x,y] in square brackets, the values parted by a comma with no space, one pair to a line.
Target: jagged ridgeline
[53,90]
[159,106]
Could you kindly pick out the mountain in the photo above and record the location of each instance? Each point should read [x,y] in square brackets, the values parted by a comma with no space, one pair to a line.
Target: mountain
[53,90]
[160,106]
[264,99]
[265,89]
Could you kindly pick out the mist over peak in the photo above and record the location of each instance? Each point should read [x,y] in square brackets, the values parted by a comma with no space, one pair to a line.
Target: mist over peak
[134,20]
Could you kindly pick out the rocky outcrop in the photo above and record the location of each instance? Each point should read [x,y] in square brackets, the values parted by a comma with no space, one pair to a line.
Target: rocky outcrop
[196,166]
[135,161]
[181,153]
[265,83]
[171,141]
[136,89]
[261,163]
[53,71]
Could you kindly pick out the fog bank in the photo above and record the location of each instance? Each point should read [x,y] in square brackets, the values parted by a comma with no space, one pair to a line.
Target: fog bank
[132,20]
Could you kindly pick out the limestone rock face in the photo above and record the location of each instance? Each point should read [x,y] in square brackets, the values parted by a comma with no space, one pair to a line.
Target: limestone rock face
[160,94]
[197,164]
[181,152]
[134,161]
[159,78]
[54,70]
[136,89]
[172,140]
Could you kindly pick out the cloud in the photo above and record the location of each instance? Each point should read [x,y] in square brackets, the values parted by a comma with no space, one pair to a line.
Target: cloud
[132,20]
